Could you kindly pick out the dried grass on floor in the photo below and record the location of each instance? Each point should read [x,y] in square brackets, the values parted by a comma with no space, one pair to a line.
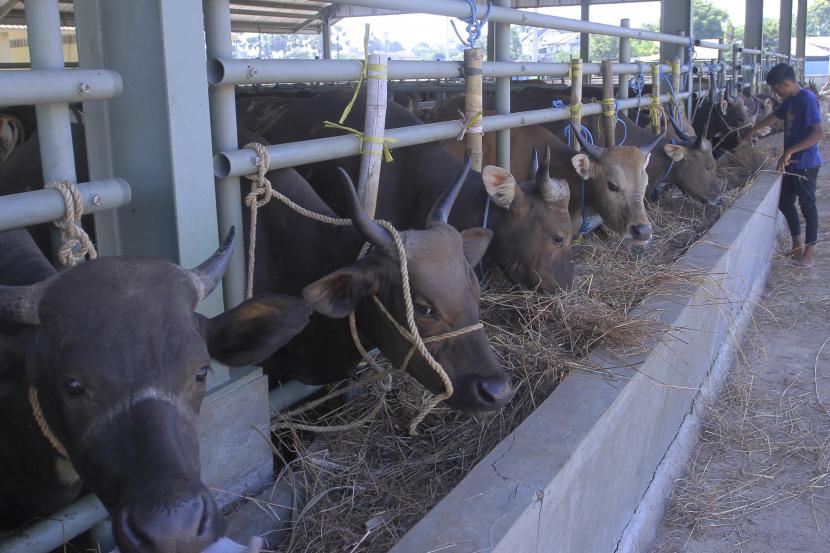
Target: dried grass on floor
[367,486]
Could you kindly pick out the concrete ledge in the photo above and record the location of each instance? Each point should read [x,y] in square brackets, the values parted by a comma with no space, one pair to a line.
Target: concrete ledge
[571,476]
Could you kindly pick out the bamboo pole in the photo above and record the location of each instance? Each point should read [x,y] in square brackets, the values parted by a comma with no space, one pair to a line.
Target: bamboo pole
[576,99]
[373,130]
[655,105]
[609,112]
[675,83]
[473,108]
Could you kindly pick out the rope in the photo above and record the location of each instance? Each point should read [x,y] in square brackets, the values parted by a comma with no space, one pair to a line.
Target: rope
[76,243]
[470,125]
[261,193]
[40,419]
[638,83]
[384,141]
[474,24]
[584,227]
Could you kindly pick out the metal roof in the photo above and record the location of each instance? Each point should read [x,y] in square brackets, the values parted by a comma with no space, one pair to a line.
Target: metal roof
[278,16]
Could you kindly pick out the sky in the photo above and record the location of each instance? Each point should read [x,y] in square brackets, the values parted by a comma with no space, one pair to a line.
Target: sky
[411,29]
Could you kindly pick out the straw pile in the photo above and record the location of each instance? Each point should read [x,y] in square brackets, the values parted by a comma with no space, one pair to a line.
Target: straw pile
[364,488]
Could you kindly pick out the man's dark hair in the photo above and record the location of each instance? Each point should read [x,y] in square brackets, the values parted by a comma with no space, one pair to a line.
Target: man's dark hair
[780,73]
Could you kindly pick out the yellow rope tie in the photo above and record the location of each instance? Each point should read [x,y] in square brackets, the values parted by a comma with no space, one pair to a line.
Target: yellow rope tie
[383,141]
[261,193]
[470,125]
[76,244]
[610,107]
[576,113]
[40,419]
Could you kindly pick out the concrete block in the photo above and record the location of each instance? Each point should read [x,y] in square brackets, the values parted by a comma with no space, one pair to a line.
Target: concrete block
[571,476]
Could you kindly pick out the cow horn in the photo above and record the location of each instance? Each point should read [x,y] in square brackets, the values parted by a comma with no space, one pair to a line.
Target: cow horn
[551,190]
[207,275]
[593,151]
[649,147]
[440,212]
[19,304]
[534,162]
[372,232]
[698,141]
[686,138]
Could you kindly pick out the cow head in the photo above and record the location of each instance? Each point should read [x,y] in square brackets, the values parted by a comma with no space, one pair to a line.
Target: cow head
[695,171]
[616,185]
[117,360]
[532,242]
[445,295]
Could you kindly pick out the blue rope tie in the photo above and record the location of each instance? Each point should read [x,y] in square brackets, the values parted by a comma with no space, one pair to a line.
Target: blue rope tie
[474,24]
[638,83]
[665,179]
[586,134]
[484,222]
[584,226]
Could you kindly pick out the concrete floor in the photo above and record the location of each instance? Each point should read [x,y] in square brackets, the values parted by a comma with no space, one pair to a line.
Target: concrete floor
[758,480]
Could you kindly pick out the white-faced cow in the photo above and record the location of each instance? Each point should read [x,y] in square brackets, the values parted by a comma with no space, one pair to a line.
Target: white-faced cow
[102,373]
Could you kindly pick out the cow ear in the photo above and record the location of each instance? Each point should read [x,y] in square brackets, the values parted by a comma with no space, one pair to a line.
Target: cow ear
[675,151]
[337,294]
[252,331]
[11,364]
[500,185]
[582,164]
[476,241]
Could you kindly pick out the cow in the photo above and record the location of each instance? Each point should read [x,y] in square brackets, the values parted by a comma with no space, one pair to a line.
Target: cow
[329,273]
[532,243]
[721,122]
[102,372]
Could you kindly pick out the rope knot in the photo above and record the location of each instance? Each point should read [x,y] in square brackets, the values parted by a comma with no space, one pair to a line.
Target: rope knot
[76,242]
[261,188]
[470,124]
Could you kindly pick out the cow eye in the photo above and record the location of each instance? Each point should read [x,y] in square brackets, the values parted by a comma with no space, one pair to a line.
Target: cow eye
[558,240]
[201,374]
[73,387]
[613,187]
[423,310]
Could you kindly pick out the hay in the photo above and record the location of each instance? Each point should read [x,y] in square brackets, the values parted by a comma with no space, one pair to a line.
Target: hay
[371,484]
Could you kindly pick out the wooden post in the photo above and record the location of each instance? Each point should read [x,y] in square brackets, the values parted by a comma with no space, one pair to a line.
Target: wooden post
[576,99]
[675,83]
[473,105]
[655,98]
[374,128]
[609,108]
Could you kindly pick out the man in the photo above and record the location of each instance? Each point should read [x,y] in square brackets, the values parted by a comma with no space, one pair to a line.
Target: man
[800,160]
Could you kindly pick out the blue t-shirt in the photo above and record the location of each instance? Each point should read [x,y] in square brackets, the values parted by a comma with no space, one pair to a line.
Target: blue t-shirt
[799,114]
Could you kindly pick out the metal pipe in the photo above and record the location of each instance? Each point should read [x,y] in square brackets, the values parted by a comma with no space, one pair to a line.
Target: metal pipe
[751,51]
[52,532]
[44,206]
[500,14]
[224,134]
[240,162]
[503,88]
[625,57]
[584,38]
[225,71]
[48,86]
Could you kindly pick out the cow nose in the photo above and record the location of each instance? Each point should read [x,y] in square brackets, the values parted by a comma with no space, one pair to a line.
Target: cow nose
[493,392]
[189,526]
[716,202]
[641,233]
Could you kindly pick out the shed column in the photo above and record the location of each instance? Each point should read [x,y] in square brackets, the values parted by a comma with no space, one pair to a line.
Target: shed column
[625,57]
[327,35]
[158,131]
[753,24]
[785,26]
[675,16]
[801,37]
[502,43]
[585,38]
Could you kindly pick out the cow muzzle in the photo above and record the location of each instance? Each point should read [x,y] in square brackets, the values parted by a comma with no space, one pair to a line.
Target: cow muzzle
[187,526]
[479,393]
[641,232]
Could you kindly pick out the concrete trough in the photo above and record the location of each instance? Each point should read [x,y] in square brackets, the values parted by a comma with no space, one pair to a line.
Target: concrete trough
[588,470]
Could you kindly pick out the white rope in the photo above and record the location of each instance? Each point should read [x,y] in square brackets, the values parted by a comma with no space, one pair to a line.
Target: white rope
[76,243]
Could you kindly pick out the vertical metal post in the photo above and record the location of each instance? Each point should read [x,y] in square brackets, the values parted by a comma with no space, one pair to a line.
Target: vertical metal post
[625,57]
[57,155]
[576,100]
[327,37]
[675,16]
[735,65]
[686,57]
[473,103]
[801,35]
[721,77]
[585,38]
[609,113]
[502,43]
[785,27]
[491,41]
[223,130]
[374,129]
[655,98]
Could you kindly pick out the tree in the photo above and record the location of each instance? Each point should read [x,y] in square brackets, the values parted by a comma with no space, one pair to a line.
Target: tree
[770,35]
[384,45]
[818,18]
[709,20]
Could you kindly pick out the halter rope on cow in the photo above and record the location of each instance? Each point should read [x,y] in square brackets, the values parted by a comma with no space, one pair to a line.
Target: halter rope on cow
[261,193]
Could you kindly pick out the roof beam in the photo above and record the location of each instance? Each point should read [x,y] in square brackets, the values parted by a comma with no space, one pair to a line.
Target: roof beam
[305,6]
[263,13]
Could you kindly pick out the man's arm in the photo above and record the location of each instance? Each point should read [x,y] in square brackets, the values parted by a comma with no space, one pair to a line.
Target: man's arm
[815,136]
[765,122]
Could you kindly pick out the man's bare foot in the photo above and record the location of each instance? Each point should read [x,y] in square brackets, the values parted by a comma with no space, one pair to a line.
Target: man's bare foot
[807,258]
[797,252]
